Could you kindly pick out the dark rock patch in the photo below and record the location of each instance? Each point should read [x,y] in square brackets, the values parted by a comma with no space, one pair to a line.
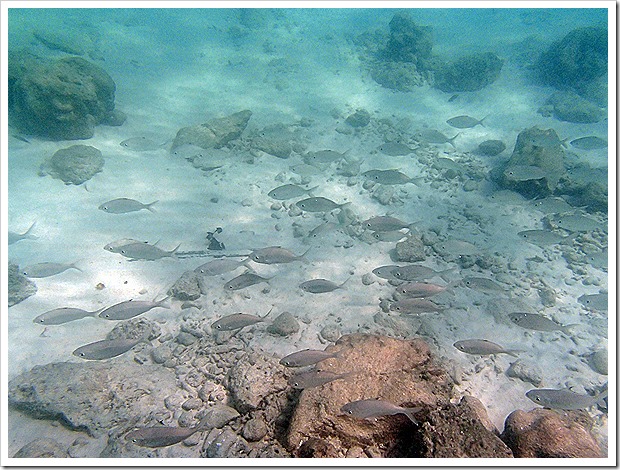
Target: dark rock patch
[469,73]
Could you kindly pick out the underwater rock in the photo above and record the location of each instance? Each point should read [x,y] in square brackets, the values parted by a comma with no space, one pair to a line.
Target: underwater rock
[19,286]
[252,379]
[579,58]
[570,107]
[219,415]
[598,361]
[526,371]
[214,133]
[187,287]
[360,118]
[544,433]
[469,73]
[43,448]
[491,148]
[399,76]
[62,100]
[224,444]
[410,250]
[74,165]
[254,430]
[404,373]
[91,396]
[284,324]
[408,42]
[541,150]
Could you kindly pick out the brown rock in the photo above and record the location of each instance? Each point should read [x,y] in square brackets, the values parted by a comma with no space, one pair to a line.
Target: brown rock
[400,371]
[548,433]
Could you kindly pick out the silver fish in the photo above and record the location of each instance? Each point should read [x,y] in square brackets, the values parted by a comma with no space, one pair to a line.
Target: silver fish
[144,251]
[58,316]
[320,286]
[188,151]
[542,237]
[433,136]
[108,348]
[590,142]
[276,255]
[319,204]
[385,272]
[303,169]
[524,173]
[417,272]
[456,247]
[547,138]
[289,191]
[40,270]
[465,122]
[384,224]
[322,230]
[15,237]
[507,197]
[594,301]
[599,260]
[415,306]
[395,149]
[236,321]
[315,378]
[564,399]
[552,205]
[533,321]
[219,266]
[161,436]
[307,357]
[482,347]
[141,144]
[115,246]
[130,308]
[392,236]
[373,408]
[244,280]
[420,289]
[443,163]
[323,157]
[482,284]
[123,205]
[577,223]
[388,177]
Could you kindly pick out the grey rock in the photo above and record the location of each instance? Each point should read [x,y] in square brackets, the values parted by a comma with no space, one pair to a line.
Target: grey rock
[491,148]
[284,324]
[526,371]
[43,448]
[360,118]
[74,165]
[400,76]
[19,286]
[254,430]
[330,333]
[410,250]
[219,415]
[185,338]
[187,287]
[161,354]
[469,73]
[224,444]
[598,361]
[570,107]
[215,133]
[192,404]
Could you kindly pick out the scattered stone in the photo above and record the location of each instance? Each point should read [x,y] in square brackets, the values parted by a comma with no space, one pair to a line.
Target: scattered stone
[491,148]
[19,286]
[192,404]
[543,433]
[570,107]
[215,133]
[330,333]
[598,361]
[224,444]
[219,415]
[410,250]
[284,324]
[408,42]
[254,430]
[187,287]
[360,118]
[526,371]
[161,354]
[399,76]
[185,338]
[42,448]
[469,73]
[73,165]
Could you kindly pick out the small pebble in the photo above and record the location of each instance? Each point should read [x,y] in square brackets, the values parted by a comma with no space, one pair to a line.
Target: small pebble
[254,430]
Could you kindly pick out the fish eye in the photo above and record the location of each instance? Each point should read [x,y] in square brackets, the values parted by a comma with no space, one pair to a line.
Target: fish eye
[537,399]
[350,412]
[296,384]
[468,283]
[25,273]
[218,327]
[82,354]
[255,257]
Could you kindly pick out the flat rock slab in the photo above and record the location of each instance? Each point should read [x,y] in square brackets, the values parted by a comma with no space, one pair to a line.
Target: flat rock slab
[215,133]
[404,373]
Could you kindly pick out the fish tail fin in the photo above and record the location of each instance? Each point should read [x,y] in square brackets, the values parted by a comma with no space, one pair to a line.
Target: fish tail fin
[442,274]
[173,253]
[410,413]
[163,303]
[416,180]
[303,258]
[480,122]
[451,141]
[73,265]
[513,352]
[27,232]
[346,204]
[309,191]
[347,280]
[149,206]
[203,424]
[600,397]
[267,314]
[567,329]
[97,312]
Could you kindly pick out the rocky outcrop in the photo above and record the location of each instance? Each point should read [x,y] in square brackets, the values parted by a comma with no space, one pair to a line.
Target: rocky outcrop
[19,286]
[469,73]
[215,133]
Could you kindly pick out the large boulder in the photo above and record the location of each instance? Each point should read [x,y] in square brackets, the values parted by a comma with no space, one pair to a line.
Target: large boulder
[408,42]
[570,107]
[404,373]
[215,133]
[61,100]
[469,73]
[74,165]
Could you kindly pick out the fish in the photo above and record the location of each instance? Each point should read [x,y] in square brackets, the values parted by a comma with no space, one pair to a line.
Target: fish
[388,177]
[564,399]
[289,191]
[14,237]
[482,347]
[385,272]
[599,260]
[482,284]
[236,321]
[545,139]
[533,321]
[40,270]
[130,309]
[374,408]
[188,151]
[417,272]
[116,246]
[320,286]
[443,163]
[315,378]
[323,157]
[58,316]
[507,197]
[244,280]
[552,205]
[384,223]
[395,149]
[577,223]
[303,169]
[453,98]
[144,251]
[433,136]
[123,205]
[415,306]
[141,144]
[307,357]
[219,266]
[391,236]
[524,173]
[276,255]
[594,301]
[456,247]
[542,237]
[421,289]
[590,142]
[162,436]
[322,230]
[108,348]
[465,122]
[319,204]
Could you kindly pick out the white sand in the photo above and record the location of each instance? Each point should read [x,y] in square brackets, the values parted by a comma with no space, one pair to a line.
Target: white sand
[173,86]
